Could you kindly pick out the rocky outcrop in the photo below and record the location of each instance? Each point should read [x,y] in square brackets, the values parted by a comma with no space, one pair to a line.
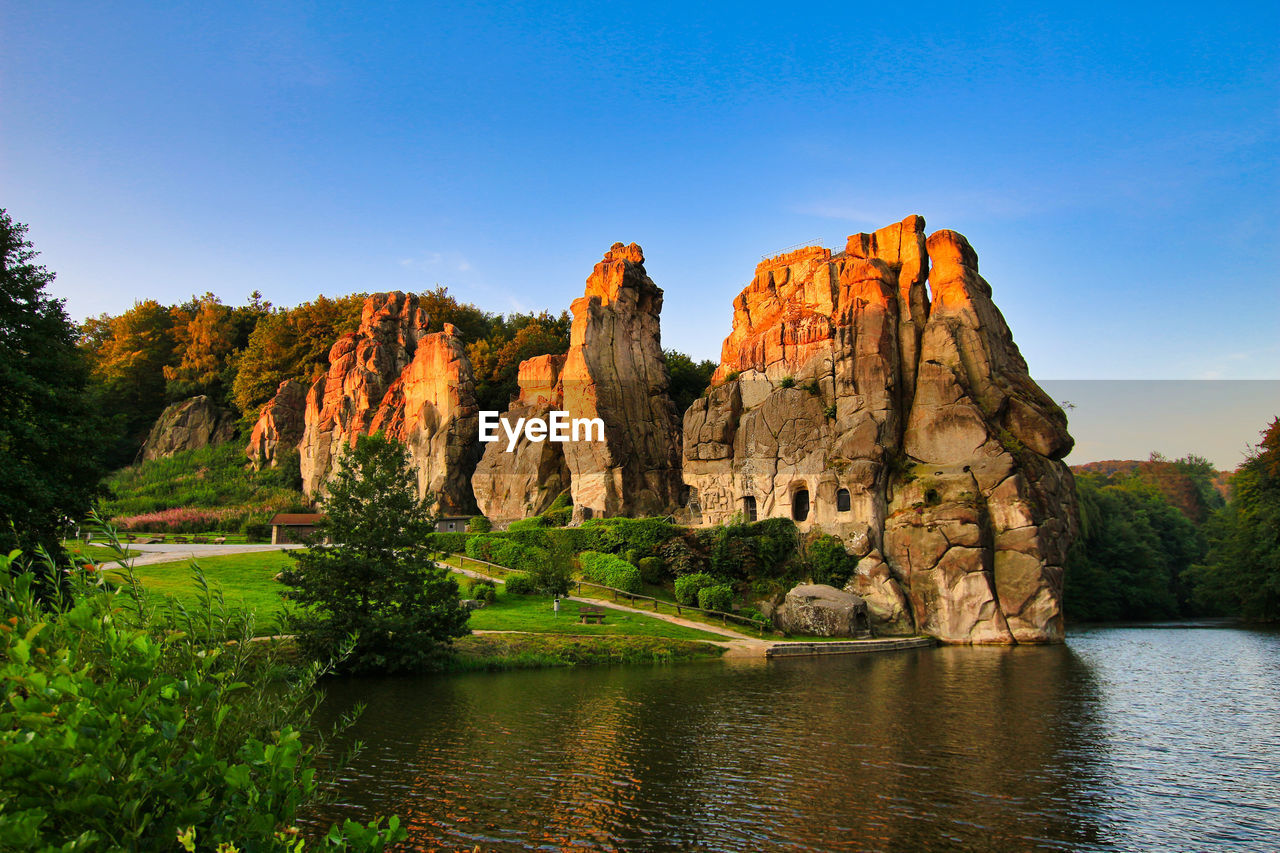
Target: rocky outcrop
[188,425]
[393,374]
[526,480]
[818,610]
[850,397]
[280,425]
[615,372]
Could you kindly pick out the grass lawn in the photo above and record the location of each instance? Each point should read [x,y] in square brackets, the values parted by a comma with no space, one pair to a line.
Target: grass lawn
[534,613]
[246,580]
[93,553]
[526,651]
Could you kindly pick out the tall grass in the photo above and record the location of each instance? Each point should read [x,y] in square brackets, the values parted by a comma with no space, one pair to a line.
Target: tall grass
[198,490]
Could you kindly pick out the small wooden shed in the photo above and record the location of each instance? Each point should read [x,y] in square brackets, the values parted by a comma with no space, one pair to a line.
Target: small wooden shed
[289,528]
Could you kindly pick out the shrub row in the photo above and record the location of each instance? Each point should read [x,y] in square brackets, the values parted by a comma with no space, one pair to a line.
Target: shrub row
[505,552]
[610,570]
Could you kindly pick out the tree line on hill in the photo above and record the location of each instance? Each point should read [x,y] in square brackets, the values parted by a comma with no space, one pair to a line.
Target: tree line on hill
[151,354]
[1158,539]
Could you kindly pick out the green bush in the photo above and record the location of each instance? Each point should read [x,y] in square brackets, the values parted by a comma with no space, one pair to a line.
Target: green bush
[481,546]
[520,585]
[787,382]
[479,524]
[452,542]
[483,590]
[829,563]
[610,570]
[532,532]
[619,535]
[128,724]
[558,517]
[551,571]
[651,570]
[679,557]
[717,597]
[257,531]
[688,587]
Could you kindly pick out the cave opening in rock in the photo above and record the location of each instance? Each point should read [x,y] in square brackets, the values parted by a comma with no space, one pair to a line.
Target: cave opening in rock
[749,507]
[800,505]
[842,500]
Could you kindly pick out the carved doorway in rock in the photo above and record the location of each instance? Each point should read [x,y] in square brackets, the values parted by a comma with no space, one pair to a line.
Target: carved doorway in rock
[800,504]
[749,507]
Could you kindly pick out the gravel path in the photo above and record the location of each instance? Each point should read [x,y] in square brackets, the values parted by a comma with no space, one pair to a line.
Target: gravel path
[152,554]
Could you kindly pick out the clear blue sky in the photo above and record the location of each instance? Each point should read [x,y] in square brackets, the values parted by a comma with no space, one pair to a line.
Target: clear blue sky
[1115,166]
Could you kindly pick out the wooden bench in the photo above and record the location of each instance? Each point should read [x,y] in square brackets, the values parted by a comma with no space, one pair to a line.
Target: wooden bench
[591,615]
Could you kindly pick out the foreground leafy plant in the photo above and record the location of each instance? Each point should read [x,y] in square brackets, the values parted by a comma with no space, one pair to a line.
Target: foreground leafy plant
[131,724]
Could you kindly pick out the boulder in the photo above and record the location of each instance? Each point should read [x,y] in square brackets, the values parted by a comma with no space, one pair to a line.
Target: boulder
[877,393]
[819,610]
[395,375]
[188,425]
[280,424]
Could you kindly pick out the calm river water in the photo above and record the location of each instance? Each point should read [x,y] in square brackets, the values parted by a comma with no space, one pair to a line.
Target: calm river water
[1122,739]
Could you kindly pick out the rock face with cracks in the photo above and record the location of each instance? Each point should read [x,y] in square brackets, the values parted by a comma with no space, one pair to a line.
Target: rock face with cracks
[395,375]
[525,481]
[188,425]
[614,371]
[878,393]
[280,424]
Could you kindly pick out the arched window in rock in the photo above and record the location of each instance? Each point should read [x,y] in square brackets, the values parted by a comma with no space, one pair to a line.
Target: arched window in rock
[842,500]
[800,504]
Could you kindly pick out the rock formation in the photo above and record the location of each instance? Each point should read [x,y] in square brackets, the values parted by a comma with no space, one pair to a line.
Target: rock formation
[187,425]
[393,374]
[525,481]
[849,397]
[614,371]
[280,424]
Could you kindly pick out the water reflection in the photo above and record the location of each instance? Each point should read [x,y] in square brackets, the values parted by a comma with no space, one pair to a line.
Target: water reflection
[934,749]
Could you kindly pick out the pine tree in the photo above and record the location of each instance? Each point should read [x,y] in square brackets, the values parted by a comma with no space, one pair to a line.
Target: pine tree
[378,581]
[50,431]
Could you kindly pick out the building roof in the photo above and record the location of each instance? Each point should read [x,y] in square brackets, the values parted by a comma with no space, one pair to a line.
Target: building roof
[296,519]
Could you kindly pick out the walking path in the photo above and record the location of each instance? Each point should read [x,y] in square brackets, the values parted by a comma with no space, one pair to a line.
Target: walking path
[152,554]
[742,646]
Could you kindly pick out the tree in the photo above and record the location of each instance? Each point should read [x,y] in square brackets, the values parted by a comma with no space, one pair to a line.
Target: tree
[290,344]
[129,366]
[203,349]
[379,581]
[51,443]
[1242,572]
[689,378]
[1134,550]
